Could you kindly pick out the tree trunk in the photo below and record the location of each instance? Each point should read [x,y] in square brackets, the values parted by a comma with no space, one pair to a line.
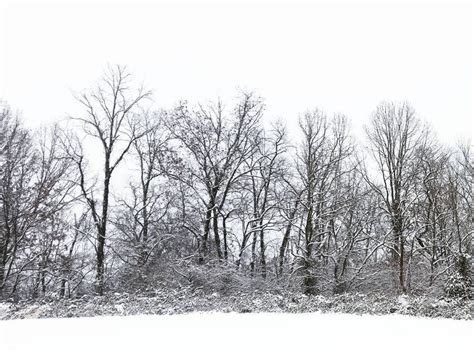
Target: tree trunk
[283,247]
[2,277]
[207,226]
[100,262]
[224,234]
[217,239]
[309,281]
[263,263]
[254,255]
[102,231]
[286,238]
[399,246]
[62,291]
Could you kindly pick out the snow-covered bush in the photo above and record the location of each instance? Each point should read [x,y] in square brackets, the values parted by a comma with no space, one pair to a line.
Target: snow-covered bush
[188,300]
[459,283]
[458,286]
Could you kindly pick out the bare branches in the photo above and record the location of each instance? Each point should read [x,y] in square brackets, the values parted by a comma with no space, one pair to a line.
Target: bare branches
[111,111]
[210,183]
[35,187]
[216,147]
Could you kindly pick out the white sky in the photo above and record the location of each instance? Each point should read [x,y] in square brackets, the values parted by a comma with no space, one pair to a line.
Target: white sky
[342,58]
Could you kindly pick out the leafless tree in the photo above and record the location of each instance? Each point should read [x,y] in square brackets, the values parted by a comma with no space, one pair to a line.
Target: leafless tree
[395,134]
[110,117]
[215,144]
[266,169]
[139,222]
[460,198]
[36,186]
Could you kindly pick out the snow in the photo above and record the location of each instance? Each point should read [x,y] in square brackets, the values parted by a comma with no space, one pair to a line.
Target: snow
[232,332]
[403,301]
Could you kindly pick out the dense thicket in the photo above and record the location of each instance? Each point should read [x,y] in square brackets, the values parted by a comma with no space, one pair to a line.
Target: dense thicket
[125,198]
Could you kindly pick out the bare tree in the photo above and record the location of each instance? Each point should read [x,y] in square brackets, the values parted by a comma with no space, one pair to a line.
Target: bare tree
[111,119]
[215,145]
[17,173]
[394,134]
[460,203]
[266,169]
[36,185]
[320,167]
[311,160]
[139,222]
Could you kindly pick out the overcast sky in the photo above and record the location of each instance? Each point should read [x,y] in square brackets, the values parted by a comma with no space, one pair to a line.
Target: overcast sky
[341,58]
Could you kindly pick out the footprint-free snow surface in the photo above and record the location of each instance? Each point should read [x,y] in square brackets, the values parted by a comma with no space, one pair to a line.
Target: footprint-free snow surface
[231,332]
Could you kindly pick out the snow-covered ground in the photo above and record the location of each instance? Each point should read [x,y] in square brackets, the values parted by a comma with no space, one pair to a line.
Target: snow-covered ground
[232,332]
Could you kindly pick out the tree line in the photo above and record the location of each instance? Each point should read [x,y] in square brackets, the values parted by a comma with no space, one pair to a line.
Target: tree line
[125,198]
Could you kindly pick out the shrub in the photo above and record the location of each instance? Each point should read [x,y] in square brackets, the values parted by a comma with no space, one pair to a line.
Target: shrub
[458,286]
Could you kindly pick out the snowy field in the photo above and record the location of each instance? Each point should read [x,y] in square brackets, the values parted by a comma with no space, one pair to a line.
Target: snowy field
[231,332]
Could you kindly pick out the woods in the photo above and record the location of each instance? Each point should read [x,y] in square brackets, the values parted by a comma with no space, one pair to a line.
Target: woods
[129,198]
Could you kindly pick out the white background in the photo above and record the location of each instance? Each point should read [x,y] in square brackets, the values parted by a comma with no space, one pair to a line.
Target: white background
[342,58]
